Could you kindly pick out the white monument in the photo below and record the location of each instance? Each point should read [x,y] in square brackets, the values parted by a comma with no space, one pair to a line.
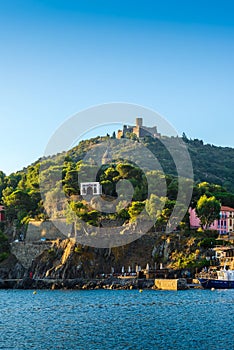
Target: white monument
[90,188]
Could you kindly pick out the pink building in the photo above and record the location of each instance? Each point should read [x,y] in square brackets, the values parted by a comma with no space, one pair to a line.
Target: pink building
[223,225]
[2,214]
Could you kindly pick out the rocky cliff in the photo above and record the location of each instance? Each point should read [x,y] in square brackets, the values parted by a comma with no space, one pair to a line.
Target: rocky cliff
[66,259]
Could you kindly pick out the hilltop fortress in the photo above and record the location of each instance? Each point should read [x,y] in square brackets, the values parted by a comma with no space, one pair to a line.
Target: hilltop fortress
[139,130]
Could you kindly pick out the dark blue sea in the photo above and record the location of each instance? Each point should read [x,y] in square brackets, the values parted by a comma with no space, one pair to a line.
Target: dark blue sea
[116,319]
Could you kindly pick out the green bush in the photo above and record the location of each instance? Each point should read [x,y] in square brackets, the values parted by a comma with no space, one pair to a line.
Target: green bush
[207,243]
[3,238]
[78,250]
[3,256]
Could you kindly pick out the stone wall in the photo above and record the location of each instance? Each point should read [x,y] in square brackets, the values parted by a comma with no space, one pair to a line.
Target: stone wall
[33,244]
[26,252]
[46,229]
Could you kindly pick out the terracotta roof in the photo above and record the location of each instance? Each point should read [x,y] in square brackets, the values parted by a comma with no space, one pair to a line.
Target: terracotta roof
[224,208]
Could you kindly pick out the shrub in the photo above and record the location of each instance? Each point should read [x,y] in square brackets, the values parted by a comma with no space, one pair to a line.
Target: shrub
[3,256]
[207,243]
[78,250]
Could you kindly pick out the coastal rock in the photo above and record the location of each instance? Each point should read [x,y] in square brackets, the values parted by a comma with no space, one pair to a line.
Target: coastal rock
[11,268]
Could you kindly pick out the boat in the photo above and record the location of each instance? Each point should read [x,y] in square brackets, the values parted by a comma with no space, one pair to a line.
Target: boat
[222,279]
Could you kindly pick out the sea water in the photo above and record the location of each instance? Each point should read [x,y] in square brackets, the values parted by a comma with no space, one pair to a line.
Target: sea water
[116,319]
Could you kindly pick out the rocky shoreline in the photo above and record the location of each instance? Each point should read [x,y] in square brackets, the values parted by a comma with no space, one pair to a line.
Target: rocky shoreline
[78,283]
[92,284]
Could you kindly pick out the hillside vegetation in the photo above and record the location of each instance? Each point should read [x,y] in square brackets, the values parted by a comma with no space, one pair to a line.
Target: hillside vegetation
[57,179]
[20,192]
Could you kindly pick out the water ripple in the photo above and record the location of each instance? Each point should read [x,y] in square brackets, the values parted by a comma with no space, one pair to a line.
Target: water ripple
[103,319]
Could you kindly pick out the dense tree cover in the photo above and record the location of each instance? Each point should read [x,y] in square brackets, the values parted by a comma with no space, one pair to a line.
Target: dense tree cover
[211,163]
[219,192]
[208,210]
[21,195]
[20,191]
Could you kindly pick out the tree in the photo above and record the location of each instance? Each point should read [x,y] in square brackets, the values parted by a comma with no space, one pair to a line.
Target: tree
[135,210]
[207,210]
[70,181]
[184,137]
[154,206]
[77,212]
[18,204]
[2,184]
[131,136]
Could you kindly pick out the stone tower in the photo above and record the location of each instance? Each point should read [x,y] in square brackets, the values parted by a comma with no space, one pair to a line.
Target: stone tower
[139,122]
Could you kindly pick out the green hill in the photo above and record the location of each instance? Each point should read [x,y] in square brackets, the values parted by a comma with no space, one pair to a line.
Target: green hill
[21,194]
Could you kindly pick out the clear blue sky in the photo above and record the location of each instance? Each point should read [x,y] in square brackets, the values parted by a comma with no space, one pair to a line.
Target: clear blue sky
[61,56]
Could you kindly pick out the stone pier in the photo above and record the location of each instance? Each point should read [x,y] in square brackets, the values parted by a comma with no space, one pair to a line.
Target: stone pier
[171,284]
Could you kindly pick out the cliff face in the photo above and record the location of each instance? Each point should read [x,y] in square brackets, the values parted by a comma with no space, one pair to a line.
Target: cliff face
[64,258]
[67,259]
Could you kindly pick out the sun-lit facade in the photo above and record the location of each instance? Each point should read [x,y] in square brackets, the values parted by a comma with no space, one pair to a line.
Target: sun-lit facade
[223,225]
